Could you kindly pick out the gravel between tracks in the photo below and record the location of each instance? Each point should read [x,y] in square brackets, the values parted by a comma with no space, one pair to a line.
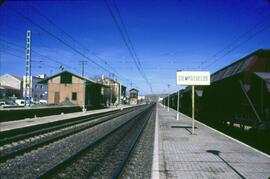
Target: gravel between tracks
[100,161]
[35,162]
[35,140]
[139,164]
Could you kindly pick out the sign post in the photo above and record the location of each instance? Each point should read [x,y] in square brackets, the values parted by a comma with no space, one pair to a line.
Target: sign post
[192,78]
[193,109]
[177,106]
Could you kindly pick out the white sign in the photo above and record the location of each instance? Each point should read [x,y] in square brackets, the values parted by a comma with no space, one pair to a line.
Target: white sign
[189,78]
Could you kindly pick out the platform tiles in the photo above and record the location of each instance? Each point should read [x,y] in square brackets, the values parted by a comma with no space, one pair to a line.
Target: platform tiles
[208,154]
[5,126]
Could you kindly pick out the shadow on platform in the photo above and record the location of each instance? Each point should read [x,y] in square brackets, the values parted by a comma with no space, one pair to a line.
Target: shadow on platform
[185,127]
[216,152]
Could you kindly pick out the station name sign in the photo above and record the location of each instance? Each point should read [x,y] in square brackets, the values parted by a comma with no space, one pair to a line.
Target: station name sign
[192,78]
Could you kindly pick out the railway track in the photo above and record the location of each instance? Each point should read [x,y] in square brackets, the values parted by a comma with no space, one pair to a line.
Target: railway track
[105,157]
[14,145]
[78,155]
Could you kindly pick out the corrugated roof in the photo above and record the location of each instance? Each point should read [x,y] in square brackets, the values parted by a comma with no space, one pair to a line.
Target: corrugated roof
[238,66]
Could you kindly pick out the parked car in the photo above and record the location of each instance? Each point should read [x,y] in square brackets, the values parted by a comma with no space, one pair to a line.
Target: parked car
[10,104]
[43,101]
[20,102]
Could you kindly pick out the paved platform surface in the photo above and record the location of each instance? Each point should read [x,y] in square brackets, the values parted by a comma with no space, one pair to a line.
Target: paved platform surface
[5,126]
[209,154]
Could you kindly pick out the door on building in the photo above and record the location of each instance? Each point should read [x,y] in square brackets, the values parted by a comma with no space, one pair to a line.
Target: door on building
[56,97]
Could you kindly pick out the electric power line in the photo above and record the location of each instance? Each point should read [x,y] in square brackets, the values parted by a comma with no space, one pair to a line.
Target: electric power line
[39,54]
[130,42]
[240,44]
[127,42]
[76,41]
[234,42]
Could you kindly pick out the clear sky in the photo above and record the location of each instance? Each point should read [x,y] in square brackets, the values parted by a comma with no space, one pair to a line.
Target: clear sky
[167,35]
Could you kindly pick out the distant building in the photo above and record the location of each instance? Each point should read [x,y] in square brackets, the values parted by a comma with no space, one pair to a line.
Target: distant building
[115,93]
[10,86]
[68,88]
[39,91]
[141,99]
[133,96]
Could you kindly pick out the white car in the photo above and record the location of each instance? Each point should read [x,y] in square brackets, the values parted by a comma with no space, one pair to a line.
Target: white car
[42,101]
[20,102]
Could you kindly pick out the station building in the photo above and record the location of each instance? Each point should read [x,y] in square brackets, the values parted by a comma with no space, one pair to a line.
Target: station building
[67,88]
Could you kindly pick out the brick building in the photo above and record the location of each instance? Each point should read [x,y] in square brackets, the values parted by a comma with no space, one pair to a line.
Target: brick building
[69,88]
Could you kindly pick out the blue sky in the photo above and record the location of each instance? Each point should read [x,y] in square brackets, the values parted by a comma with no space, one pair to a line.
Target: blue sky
[167,35]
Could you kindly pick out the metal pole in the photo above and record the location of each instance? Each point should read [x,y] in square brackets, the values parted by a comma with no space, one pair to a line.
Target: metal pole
[168,99]
[193,110]
[111,95]
[120,89]
[84,86]
[168,103]
[177,105]
[28,81]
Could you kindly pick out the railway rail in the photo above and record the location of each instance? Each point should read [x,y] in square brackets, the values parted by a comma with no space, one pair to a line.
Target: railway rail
[14,145]
[104,154]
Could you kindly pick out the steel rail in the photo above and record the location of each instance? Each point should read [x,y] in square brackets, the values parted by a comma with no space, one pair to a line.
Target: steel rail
[43,143]
[56,126]
[130,148]
[73,157]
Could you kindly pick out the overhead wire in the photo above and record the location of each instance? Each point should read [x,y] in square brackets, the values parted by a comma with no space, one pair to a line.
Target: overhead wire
[77,42]
[233,44]
[39,54]
[240,44]
[131,44]
[59,39]
[126,39]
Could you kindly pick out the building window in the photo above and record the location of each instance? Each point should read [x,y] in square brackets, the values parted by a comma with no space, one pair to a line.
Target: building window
[74,96]
[36,86]
[66,78]
[40,86]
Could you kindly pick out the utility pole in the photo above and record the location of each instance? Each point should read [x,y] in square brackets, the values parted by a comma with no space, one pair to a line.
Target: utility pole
[27,79]
[120,93]
[83,62]
[168,98]
[111,93]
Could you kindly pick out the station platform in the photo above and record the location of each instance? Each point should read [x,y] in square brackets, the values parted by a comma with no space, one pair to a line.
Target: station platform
[207,154]
[5,126]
